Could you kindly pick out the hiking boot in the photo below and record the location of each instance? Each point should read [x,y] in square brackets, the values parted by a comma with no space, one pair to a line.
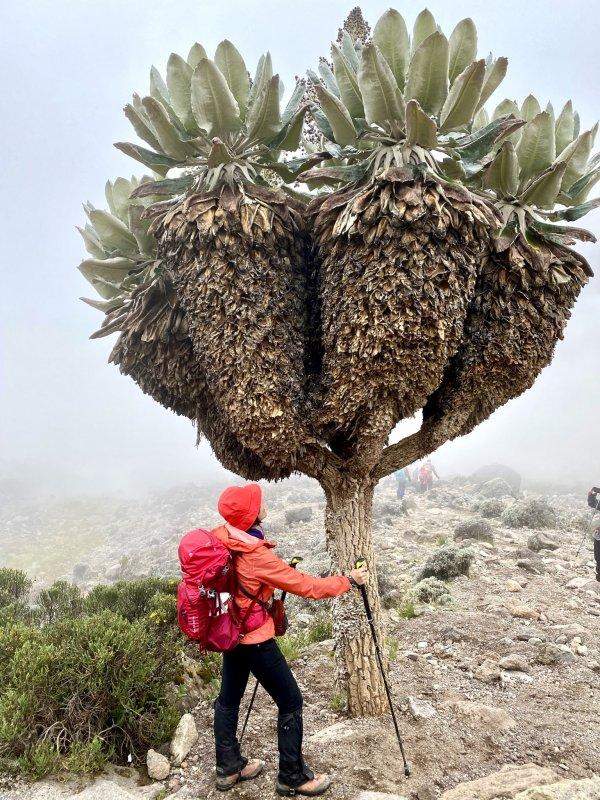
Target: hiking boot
[252,770]
[313,788]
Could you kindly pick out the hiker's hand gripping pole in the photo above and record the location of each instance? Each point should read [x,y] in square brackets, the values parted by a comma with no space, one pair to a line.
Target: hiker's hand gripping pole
[293,563]
[361,562]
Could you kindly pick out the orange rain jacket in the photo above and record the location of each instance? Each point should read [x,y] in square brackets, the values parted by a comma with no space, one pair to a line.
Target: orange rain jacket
[257,565]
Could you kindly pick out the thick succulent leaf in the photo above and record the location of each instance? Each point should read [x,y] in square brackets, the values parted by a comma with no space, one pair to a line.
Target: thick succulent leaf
[322,122]
[264,73]
[580,190]
[179,83]
[391,37]
[462,98]
[121,194]
[141,128]
[463,48]
[576,125]
[91,241]
[502,175]
[332,175]
[196,54]
[231,64]
[160,92]
[536,150]
[290,135]
[157,161]
[106,306]
[338,116]
[452,169]
[328,77]
[543,190]
[165,188]
[215,108]
[264,119]
[381,96]
[505,108]
[113,234]
[139,227]
[477,145]
[349,51]
[165,132]
[495,73]
[550,109]
[530,108]
[563,230]
[576,157]
[482,118]
[427,80]
[291,108]
[113,270]
[348,84]
[576,212]
[420,128]
[424,26]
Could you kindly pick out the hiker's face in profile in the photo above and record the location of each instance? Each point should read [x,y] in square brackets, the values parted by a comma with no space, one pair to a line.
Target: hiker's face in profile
[263,512]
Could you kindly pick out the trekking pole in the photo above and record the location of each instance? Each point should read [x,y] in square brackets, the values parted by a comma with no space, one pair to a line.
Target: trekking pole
[594,511]
[293,563]
[361,562]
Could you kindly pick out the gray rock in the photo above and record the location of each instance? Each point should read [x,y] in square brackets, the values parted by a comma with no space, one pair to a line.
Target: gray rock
[479,714]
[506,783]
[420,709]
[533,565]
[497,488]
[490,471]
[158,766]
[542,541]
[488,671]
[295,515]
[550,653]
[303,620]
[478,529]
[447,562]
[514,661]
[184,738]
[586,789]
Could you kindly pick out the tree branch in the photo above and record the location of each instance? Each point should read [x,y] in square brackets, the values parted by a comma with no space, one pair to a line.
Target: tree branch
[406,451]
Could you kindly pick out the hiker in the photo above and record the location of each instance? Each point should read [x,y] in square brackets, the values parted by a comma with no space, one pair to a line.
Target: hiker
[402,477]
[594,502]
[258,573]
[425,476]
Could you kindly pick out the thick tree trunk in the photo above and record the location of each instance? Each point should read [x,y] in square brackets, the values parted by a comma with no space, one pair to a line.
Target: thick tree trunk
[348,524]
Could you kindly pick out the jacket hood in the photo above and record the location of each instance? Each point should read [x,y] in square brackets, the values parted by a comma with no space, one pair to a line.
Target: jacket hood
[239,541]
[239,505]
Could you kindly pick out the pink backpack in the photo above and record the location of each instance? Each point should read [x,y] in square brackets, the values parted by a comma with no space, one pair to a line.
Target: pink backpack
[203,613]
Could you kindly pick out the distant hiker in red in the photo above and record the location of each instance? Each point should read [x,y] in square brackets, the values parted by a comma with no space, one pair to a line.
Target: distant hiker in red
[425,476]
[259,571]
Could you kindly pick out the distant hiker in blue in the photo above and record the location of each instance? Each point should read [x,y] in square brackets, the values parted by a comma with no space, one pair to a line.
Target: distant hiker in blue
[402,479]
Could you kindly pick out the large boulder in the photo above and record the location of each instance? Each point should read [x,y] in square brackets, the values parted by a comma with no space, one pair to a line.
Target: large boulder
[530,513]
[542,541]
[295,515]
[447,563]
[497,488]
[507,783]
[586,789]
[491,471]
[478,529]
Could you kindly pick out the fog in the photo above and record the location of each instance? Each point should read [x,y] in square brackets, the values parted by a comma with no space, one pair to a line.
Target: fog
[69,421]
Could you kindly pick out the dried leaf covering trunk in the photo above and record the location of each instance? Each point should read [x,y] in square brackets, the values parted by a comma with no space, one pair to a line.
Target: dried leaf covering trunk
[348,525]
[521,306]
[399,260]
[248,331]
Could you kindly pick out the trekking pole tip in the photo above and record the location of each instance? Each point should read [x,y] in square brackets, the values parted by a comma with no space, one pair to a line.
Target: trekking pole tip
[360,562]
[296,560]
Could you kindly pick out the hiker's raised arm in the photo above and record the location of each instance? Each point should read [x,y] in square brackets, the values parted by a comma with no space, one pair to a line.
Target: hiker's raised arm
[276,573]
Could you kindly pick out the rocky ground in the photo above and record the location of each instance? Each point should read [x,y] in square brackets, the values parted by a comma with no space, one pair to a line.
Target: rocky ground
[496,672]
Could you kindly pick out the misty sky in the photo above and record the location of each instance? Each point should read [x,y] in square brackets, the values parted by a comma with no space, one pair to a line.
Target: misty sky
[68,418]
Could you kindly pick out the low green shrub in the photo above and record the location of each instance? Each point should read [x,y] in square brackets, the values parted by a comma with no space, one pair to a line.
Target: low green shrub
[131,599]
[61,601]
[78,692]
[15,586]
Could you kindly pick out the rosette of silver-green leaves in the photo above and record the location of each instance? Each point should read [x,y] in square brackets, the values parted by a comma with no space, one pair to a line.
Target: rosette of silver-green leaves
[401,99]
[209,118]
[545,163]
[122,252]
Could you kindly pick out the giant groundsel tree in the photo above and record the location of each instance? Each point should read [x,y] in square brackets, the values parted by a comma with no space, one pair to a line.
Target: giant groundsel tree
[427,267]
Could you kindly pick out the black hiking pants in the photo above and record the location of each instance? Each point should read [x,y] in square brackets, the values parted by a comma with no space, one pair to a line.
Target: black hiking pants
[266,662]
